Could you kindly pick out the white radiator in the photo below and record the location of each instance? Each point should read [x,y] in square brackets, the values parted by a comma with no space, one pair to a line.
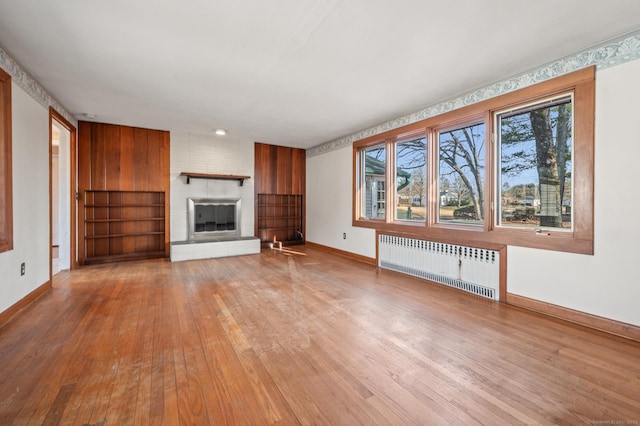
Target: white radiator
[471,269]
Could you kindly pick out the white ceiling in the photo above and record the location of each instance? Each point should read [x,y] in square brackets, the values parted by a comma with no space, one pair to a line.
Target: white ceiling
[289,72]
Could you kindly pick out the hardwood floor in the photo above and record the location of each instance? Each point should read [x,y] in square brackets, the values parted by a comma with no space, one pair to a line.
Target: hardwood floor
[299,339]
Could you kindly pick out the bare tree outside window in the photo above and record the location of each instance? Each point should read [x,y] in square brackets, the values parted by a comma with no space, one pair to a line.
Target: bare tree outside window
[506,170]
[461,174]
[535,165]
[411,160]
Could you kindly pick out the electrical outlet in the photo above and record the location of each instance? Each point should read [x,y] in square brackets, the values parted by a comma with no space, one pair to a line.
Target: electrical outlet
[22,269]
[344,235]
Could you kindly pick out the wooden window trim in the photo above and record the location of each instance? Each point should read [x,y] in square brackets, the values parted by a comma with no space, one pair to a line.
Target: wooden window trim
[582,84]
[6,197]
[393,170]
[358,177]
[434,160]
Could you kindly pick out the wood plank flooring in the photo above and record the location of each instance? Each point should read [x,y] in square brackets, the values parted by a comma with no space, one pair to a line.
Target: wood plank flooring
[299,339]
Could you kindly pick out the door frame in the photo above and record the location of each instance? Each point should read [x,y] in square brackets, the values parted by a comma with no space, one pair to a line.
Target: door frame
[73,258]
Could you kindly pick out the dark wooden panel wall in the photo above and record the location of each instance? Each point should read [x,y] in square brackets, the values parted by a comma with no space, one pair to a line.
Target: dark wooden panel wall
[113,157]
[279,170]
[122,158]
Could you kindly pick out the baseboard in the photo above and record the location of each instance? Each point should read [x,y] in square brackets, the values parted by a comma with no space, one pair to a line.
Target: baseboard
[621,329]
[14,309]
[353,256]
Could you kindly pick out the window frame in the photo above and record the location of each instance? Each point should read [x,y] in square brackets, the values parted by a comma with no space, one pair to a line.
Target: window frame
[361,179]
[6,190]
[540,104]
[467,121]
[580,240]
[388,140]
[392,149]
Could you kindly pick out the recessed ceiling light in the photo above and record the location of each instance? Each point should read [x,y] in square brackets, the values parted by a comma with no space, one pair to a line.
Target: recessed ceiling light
[221,132]
[89,115]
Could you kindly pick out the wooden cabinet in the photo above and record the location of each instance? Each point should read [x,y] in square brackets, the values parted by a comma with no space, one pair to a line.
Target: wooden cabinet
[123,225]
[281,216]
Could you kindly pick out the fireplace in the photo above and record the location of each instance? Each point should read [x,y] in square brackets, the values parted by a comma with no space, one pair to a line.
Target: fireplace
[213,218]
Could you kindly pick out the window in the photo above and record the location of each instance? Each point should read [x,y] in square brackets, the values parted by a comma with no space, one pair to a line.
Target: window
[516,169]
[534,165]
[411,177]
[461,175]
[6,204]
[375,172]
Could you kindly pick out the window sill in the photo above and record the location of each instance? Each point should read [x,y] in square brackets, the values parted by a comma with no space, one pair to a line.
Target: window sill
[563,242]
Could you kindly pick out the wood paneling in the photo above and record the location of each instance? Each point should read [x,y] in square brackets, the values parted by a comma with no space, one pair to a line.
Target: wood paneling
[310,338]
[141,154]
[279,171]
[133,164]
[127,161]
[122,158]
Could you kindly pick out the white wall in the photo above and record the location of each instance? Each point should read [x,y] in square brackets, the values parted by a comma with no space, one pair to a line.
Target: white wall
[216,155]
[605,284]
[329,188]
[30,152]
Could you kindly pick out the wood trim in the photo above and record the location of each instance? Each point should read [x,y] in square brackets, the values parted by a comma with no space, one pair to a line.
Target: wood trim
[503,274]
[6,173]
[582,84]
[13,310]
[607,325]
[356,186]
[55,115]
[50,195]
[353,256]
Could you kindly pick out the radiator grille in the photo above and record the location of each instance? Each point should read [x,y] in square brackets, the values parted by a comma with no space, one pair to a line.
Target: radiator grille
[472,269]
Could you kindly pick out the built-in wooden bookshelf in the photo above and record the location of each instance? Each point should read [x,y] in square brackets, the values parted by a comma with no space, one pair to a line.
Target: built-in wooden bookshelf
[123,225]
[279,193]
[123,193]
[281,216]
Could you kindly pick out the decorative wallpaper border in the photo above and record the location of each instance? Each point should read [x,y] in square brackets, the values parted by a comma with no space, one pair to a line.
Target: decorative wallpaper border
[31,86]
[624,49]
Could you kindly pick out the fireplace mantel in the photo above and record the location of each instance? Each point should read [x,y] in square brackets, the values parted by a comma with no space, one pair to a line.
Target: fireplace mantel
[192,175]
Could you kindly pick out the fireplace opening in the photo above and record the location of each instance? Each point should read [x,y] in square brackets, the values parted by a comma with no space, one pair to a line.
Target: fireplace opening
[213,218]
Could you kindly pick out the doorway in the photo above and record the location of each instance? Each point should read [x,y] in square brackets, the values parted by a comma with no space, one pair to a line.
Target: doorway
[62,193]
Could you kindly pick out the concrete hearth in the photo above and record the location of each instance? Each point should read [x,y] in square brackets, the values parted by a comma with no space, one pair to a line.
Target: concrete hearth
[219,247]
